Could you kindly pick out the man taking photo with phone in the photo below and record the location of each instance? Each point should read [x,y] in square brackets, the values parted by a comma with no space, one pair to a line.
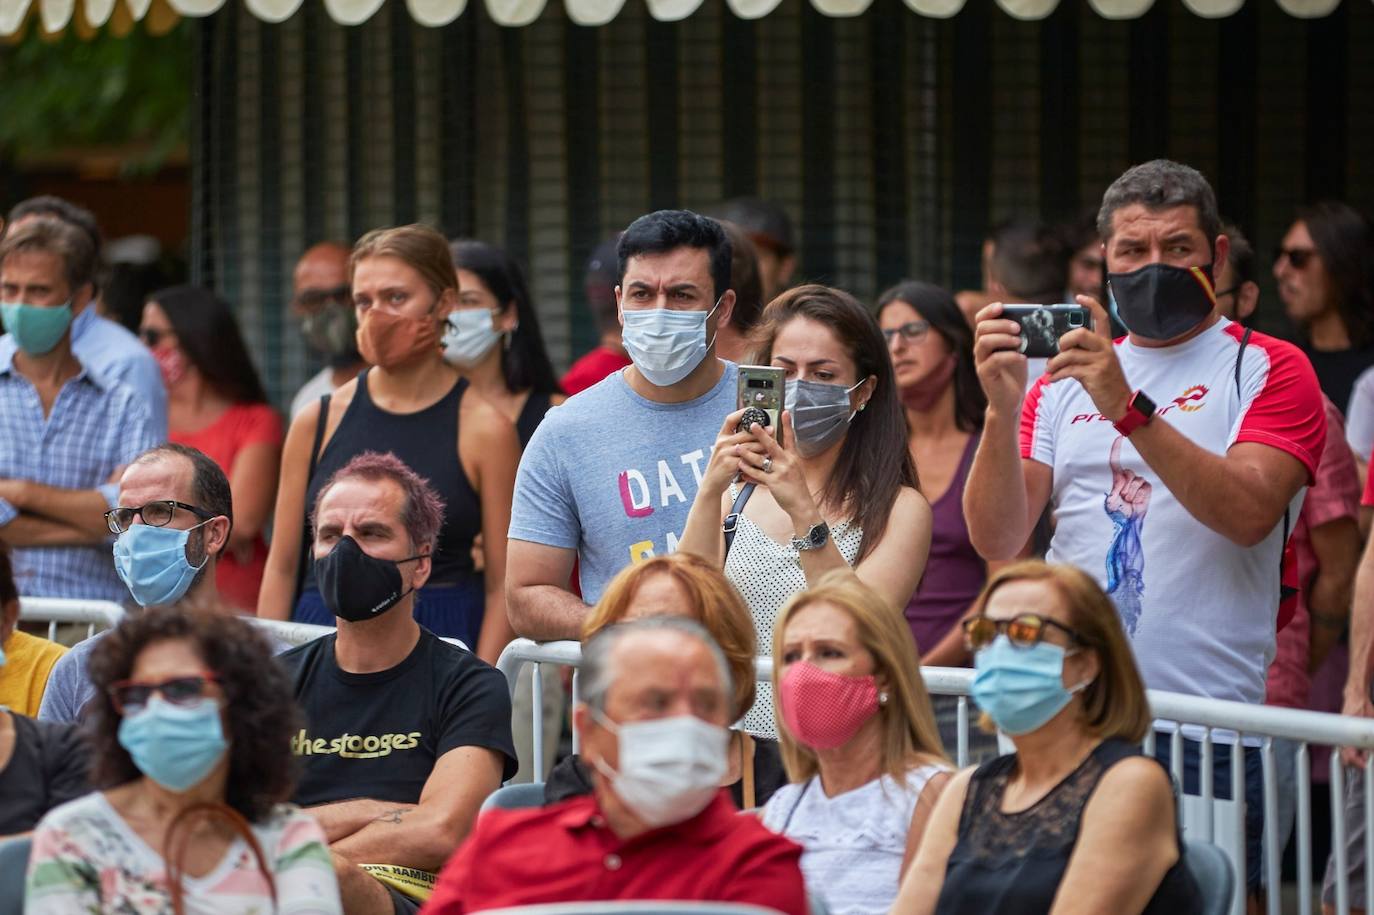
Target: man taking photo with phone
[1172,458]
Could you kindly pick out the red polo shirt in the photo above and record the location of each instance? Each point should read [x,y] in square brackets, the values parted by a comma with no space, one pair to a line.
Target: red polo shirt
[566,853]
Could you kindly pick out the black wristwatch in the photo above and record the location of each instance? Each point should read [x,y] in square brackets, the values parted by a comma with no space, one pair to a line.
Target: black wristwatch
[814,539]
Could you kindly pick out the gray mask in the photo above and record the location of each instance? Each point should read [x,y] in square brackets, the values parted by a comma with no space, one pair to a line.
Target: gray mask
[331,331]
[820,414]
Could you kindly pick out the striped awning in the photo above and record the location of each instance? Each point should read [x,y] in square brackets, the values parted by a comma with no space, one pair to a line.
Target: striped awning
[54,15]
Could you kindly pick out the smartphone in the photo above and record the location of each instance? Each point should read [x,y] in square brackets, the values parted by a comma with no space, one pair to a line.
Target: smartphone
[1043,325]
[760,395]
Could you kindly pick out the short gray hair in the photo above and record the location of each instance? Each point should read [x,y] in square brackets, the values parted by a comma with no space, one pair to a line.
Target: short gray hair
[1161,185]
[598,673]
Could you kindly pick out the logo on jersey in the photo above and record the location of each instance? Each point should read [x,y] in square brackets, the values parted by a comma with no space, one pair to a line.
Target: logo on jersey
[1191,401]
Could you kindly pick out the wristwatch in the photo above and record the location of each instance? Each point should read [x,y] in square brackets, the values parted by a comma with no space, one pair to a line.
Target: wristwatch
[815,538]
[1138,412]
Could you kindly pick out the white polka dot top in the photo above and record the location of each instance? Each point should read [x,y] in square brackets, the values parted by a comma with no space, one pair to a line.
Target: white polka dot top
[767,573]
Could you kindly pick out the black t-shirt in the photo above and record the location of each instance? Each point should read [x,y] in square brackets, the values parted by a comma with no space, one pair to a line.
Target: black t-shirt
[378,735]
[1337,371]
[47,768]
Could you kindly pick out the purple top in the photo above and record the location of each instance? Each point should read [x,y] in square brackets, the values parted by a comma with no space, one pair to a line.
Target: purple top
[955,572]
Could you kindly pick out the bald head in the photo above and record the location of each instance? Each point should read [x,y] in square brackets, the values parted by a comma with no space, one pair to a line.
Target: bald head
[323,267]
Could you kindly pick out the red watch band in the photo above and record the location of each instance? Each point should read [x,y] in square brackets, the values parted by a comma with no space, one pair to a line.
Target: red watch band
[1139,410]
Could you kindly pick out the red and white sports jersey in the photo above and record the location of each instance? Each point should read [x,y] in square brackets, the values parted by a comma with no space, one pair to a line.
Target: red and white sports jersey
[1200,609]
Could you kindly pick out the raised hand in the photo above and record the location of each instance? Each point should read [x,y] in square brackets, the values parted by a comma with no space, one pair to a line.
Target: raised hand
[997,356]
[1130,493]
[783,476]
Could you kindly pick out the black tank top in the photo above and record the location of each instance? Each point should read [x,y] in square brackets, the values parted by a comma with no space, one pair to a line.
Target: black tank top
[427,442]
[1012,863]
[531,415]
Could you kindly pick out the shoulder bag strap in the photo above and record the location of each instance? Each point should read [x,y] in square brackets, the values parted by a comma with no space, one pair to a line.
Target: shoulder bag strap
[732,519]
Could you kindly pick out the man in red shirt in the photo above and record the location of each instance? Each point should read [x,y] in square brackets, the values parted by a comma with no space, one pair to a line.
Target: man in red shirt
[609,355]
[656,701]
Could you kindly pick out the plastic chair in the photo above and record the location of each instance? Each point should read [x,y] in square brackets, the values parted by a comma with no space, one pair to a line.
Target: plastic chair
[644,907]
[1212,871]
[14,864]
[515,797]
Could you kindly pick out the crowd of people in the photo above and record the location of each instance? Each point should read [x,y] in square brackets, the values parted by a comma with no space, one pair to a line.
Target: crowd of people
[932,494]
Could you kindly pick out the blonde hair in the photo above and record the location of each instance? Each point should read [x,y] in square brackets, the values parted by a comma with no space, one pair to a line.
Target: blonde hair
[909,735]
[420,247]
[714,601]
[1114,703]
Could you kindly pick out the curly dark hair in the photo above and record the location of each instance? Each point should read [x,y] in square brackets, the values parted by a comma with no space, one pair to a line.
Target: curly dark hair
[261,714]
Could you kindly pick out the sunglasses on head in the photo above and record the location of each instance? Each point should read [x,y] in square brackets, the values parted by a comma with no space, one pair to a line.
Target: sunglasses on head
[1023,631]
[130,695]
[1298,257]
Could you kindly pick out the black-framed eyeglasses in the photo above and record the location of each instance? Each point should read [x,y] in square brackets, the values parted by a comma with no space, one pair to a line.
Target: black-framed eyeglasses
[1298,257]
[129,696]
[154,514]
[911,331]
[153,336]
[311,299]
[1023,631]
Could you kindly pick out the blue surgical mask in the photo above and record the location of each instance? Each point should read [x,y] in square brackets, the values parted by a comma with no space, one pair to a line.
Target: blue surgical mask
[36,329]
[666,345]
[176,746]
[820,413]
[1021,688]
[468,337]
[152,562]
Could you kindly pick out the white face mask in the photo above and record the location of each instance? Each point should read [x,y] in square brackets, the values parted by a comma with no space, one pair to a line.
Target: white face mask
[665,344]
[468,336]
[670,768]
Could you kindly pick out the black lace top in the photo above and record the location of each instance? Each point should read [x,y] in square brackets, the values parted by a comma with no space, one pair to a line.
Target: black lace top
[1011,863]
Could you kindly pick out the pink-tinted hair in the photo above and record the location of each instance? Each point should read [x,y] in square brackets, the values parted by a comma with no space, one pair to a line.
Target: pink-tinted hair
[422,512]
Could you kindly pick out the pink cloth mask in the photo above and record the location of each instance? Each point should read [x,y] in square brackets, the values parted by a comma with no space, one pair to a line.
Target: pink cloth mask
[824,710]
[925,393]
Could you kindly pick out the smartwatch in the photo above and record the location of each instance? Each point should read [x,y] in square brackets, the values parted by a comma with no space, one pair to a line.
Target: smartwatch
[815,538]
[1138,412]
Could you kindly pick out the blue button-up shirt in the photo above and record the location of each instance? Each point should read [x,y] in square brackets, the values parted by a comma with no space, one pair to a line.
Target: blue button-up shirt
[95,427]
[110,350]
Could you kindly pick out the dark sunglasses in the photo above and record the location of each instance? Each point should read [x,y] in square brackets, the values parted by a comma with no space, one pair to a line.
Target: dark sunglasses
[1023,631]
[911,331]
[152,336]
[130,696]
[1298,257]
[154,514]
[311,299]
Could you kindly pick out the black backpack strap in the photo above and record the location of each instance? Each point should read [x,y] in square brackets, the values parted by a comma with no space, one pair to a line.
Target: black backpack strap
[1287,523]
[732,519]
[1240,353]
[304,562]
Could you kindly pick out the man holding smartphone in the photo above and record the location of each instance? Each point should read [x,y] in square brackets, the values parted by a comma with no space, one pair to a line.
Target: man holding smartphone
[609,476]
[1171,458]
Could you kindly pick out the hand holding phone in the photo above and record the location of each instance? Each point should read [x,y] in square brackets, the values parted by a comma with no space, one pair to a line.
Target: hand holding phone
[760,395]
[1042,326]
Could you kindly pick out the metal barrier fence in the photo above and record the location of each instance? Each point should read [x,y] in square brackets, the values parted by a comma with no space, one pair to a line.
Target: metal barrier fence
[1211,722]
[57,611]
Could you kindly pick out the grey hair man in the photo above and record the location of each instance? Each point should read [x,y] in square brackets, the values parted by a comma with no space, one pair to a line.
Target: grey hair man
[1216,454]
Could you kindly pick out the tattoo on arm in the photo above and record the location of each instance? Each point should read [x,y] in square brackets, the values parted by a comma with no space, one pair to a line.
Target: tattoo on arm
[392,816]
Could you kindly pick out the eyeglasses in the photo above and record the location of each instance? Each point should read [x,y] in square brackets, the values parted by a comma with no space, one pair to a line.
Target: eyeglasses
[130,696]
[153,336]
[1023,631]
[911,331]
[154,514]
[311,299]
[1298,257]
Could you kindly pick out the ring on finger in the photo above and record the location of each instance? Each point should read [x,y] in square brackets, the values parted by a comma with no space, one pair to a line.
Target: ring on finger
[767,465]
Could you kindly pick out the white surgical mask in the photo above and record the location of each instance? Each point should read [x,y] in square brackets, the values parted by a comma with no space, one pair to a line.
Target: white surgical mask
[670,768]
[468,337]
[665,344]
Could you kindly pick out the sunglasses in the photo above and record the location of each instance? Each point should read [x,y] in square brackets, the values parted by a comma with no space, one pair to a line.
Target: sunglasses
[129,695]
[911,331]
[1023,631]
[311,299]
[152,336]
[1298,257]
[154,514]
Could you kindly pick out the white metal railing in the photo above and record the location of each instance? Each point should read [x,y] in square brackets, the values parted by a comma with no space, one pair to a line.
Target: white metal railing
[289,632]
[57,611]
[1203,817]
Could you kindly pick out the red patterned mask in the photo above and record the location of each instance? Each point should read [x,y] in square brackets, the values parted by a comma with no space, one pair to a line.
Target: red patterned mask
[824,710]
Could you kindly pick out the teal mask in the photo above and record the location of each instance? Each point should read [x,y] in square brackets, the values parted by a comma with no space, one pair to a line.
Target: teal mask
[36,329]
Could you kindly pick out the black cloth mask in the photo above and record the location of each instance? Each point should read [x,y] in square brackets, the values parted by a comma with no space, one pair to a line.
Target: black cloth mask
[356,586]
[1160,301]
